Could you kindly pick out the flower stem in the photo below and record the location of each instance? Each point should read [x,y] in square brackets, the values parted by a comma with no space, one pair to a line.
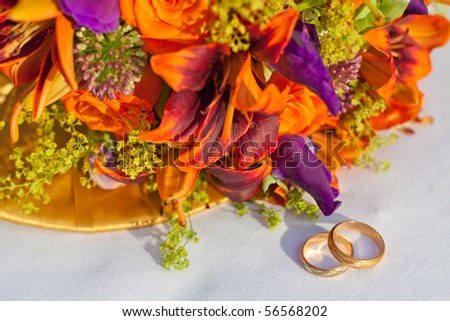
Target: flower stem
[379,19]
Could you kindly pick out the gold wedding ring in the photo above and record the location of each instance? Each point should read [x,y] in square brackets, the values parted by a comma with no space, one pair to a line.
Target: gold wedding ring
[334,238]
[321,239]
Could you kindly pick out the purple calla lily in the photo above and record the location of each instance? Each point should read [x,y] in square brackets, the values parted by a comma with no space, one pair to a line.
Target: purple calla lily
[416,7]
[301,63]
[295,161]
[101,16]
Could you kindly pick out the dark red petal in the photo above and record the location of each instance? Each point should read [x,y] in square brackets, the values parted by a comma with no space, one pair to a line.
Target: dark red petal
[238,185]
[260,140]
[188,68]
[45,80]
[182,116]
[206,148]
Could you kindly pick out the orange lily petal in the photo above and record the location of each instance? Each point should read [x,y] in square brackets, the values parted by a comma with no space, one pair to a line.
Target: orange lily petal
[43,86]
[188,68]
[428,31]
[270,43]
[34,10]
[22,102]
[14,122]
[174,183]
[376,69]
[379,39]
[56,89]
[420,67]
[404,105]
[249,97]
[64,44]
[357,3]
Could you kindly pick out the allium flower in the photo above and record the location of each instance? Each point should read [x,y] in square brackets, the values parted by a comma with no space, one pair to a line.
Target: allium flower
[109,63]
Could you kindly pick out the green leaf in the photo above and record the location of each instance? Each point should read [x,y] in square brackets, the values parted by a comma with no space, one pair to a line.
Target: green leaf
[389,9]
[267,72]
[393,9]
[269,180]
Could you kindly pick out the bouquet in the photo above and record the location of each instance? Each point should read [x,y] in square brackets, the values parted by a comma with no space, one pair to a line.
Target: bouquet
[264,100]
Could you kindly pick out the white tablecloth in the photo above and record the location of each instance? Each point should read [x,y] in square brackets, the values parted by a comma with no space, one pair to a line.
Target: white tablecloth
[237,258]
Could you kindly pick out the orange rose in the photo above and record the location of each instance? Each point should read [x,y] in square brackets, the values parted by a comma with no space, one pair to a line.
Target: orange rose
[117,116]
[166,23]
[304,112]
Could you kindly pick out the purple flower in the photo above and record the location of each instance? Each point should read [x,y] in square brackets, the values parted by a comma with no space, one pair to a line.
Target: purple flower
[295,160]
[416,7]
[101,16]
[301,63]
[103,181]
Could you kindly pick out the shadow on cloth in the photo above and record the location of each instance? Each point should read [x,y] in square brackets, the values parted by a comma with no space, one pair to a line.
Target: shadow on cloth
[301,229]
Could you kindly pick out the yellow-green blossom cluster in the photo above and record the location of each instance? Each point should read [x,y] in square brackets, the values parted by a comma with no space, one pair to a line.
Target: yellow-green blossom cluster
[173,250]
[241,208]
[137,157]
[297,203]
[198,195]
[339,37]
[273,218]
[232,17]
[35,170]
[366,158]
[367,104]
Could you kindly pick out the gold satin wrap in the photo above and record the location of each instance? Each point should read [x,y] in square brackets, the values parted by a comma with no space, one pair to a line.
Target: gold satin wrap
[75,208]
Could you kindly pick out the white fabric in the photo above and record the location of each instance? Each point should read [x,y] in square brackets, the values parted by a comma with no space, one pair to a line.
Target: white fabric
[239,259]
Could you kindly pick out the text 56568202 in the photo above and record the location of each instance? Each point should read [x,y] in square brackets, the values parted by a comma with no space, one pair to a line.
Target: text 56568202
[299,311]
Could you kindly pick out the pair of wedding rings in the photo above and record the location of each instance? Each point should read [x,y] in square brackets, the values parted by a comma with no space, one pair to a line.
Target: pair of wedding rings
[342,249]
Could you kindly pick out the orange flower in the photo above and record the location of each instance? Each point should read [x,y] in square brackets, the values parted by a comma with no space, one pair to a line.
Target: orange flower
[46,12]
[303,111]
[407,47]
[166,25]
[429,31]
[36,42]
[117,116]
[404,105]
